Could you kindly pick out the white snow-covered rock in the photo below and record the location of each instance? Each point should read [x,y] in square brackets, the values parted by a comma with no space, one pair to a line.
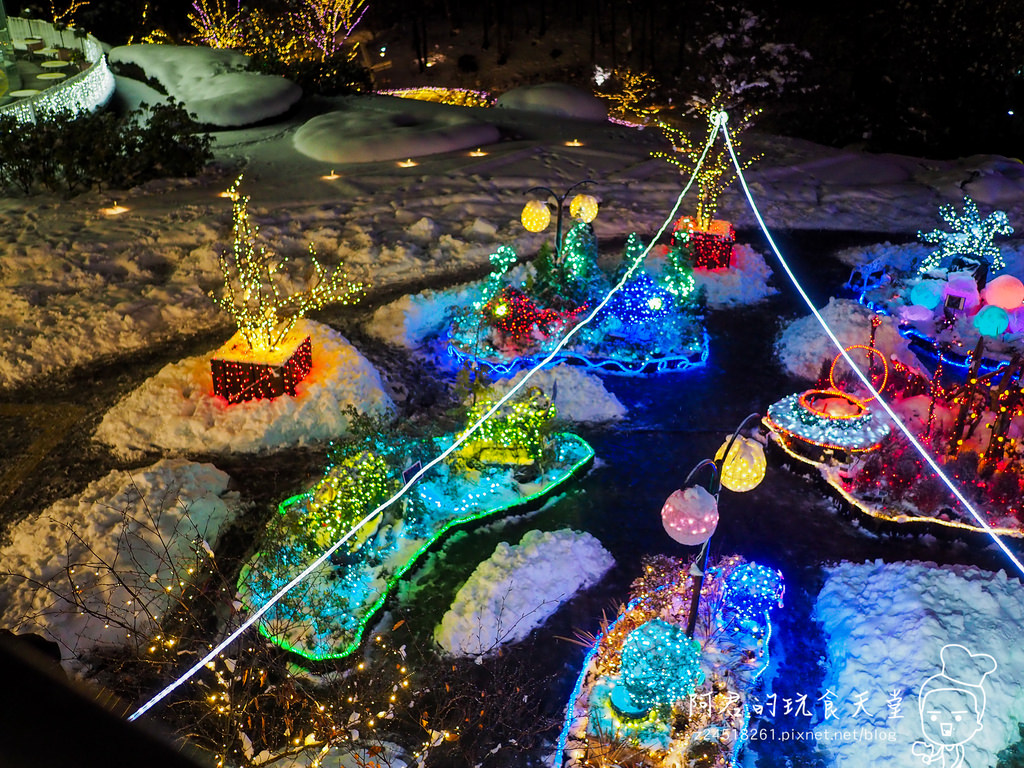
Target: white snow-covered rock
[176,410]
[886,625]
[518,587]
[212,83]
[803,345]
[128,541]
[746,281]
[374,128]
[578,396]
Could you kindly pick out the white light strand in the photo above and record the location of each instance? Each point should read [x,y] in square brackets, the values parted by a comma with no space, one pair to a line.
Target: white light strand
[274,599]
[865,380]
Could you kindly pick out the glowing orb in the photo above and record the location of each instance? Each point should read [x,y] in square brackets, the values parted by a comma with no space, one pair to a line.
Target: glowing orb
[1005,292]
[927,293]
[536,216]
[655,303]
[992,321]
[743,469]
[584,208]
[690,516]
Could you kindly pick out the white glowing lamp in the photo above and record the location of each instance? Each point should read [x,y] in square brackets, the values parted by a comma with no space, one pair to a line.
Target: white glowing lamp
[690,516]
[744,467]
[584,208]
[536,216]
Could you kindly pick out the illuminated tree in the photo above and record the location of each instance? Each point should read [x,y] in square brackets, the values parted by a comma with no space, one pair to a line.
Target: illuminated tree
[969,235]
[327,24]
[348,492]
[253,294]
[218,23]
[717,170]
[66,15]
[515,434]
[629,94]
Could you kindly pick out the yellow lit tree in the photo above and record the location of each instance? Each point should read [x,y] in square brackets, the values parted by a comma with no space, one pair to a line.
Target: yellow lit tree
[630,94]
[65,13]
[326,24]
[218,23]
[253,293]
[717,169]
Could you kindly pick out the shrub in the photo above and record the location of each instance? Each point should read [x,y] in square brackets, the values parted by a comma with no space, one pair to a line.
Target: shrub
[70,153]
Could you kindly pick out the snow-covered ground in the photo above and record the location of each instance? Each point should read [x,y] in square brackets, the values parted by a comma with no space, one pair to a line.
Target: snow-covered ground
[78,285]
[887,625]
[176,411]
[131,543]
[518,587]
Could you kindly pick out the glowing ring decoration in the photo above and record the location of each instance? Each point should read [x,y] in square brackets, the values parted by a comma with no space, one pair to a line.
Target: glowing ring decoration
[806,398]
[885,369]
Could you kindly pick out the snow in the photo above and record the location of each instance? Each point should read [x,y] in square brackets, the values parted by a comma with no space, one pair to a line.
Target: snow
[176,411]
[886,625]
[148,525]
[803,345]
[746,281]
[555,99]
[212,83]
[387,128]
[579,396]
[518,587]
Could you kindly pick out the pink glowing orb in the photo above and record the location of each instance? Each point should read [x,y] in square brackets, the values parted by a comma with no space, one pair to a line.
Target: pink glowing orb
[690,516]
[1005,292]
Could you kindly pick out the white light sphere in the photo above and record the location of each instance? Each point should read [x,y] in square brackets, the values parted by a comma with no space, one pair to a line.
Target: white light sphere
[690,516]
[744,467]
[584,208]
[1005,292]
[536,216]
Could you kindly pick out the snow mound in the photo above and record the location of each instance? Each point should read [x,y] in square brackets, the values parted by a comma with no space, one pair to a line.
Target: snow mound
[412,319]
[886,626]
[803,346]
[176,411]
[376,128]
[518,587]
[147,527]
[556,99]
[579,396]
[744,282]
[212,83]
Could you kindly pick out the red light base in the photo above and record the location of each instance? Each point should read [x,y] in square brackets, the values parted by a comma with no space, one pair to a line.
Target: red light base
[241,380]
[712,248]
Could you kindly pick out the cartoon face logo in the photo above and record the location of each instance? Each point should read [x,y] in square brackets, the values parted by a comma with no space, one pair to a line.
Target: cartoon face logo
[952,705]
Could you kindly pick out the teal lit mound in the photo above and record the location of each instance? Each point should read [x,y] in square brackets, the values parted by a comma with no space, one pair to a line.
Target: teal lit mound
[648,694]
[502,467]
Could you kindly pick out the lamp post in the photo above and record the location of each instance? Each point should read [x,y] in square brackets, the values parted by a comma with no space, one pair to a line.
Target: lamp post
[690,516]
[536,214]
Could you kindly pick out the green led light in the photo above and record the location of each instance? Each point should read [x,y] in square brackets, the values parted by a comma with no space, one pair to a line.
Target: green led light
[567,445]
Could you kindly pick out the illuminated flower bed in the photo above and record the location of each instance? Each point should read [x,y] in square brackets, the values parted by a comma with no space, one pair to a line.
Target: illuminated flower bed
[458,97]
[651,325]
[650,696]
[325,616]
[951,302]
[973,429]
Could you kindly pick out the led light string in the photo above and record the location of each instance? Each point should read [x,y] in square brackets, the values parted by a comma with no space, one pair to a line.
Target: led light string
[274,599]
[865,380]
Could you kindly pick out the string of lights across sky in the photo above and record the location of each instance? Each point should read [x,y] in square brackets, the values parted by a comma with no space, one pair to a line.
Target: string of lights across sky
[719,125]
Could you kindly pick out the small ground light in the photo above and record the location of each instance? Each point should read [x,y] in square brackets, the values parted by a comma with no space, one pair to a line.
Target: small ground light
[477,153]
[332,176]
[574,143]
[407,163]
[114,210]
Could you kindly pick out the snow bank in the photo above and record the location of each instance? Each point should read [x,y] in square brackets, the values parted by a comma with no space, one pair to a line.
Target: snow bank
[886,625]
[557,99]
[518,587]
[176,411]
[374,128]
[803,345]
[212,83]
[579,396]
[744,282]
[145,527]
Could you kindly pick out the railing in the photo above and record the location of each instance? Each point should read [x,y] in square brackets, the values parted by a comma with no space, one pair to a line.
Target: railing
[86,90]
